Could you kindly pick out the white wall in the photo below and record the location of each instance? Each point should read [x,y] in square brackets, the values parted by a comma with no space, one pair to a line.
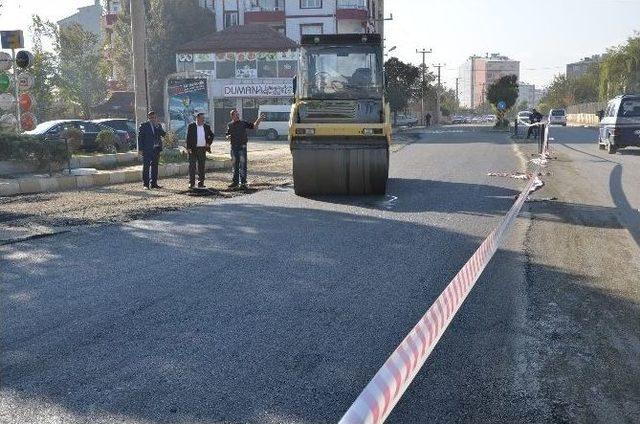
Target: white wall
[293,26]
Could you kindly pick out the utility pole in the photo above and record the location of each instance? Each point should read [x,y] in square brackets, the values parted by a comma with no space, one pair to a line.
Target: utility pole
[138,35]
[438,90]
[458,91]
[424,53]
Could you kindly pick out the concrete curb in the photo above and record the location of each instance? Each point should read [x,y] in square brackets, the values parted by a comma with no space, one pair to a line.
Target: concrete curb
[32,185]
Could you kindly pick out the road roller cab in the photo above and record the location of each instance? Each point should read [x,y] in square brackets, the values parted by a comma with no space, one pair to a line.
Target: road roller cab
[340,130]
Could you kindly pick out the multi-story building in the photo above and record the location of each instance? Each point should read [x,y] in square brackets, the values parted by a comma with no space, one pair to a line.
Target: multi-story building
[88,17]
[577,69]
[295,18]
[478,73]
[528,94]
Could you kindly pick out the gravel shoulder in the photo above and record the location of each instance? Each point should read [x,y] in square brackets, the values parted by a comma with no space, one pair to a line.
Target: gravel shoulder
[582,339]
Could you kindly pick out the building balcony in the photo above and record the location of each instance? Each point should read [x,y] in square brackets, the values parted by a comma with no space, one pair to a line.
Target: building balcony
[264,11]
[352,9]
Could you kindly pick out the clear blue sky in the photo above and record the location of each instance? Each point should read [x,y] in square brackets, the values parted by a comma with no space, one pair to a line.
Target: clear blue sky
[544,38]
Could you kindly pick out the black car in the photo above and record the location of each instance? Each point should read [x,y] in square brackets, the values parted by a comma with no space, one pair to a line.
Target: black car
[52,130]
[121,124]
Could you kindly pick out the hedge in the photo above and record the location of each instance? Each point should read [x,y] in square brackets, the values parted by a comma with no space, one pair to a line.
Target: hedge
[24,148]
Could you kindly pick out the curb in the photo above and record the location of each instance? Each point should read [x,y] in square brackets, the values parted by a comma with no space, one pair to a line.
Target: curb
[33,185]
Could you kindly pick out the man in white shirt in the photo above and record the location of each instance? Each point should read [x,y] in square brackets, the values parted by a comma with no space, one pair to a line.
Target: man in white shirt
[199,139]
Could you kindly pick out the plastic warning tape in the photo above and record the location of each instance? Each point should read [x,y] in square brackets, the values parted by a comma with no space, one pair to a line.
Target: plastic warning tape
[383,392]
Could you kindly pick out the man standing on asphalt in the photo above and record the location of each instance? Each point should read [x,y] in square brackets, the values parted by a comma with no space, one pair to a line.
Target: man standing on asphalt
[237,135]
[535,118]
[427,120]
[199,140]
[150,136]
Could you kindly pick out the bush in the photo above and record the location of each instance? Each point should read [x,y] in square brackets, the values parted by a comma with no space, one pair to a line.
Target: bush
[171,141]
[24,148]
[74,137]
[172,156]
[107,141]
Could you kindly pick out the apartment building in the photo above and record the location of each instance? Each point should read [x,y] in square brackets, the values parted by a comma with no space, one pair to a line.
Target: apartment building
[295,18]
[479,72]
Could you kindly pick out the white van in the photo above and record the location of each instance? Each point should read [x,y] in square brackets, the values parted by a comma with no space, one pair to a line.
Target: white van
[276,122]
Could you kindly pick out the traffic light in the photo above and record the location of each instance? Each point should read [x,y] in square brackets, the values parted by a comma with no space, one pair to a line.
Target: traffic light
[12,39]
[24,59]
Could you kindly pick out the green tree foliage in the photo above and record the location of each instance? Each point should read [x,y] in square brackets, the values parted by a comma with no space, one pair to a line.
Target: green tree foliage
[121,53]
[564,92]
[620,70]
[171,24]
[402,79]
[505,90]
[44,70]
[82,72]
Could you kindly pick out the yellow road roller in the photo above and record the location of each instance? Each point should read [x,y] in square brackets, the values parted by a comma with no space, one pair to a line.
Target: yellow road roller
[340,128]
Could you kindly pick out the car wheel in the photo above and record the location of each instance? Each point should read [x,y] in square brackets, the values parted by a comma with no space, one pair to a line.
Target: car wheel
[272,135]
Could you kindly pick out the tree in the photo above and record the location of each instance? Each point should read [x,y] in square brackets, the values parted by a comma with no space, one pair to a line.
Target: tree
[121,53]
[505,90]
[44,69]
[620,70]
[171,24]
[401,80]
[82,72]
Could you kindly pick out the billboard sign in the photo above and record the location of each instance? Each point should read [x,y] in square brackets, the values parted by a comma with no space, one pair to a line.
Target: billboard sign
[187,96]
[259,90]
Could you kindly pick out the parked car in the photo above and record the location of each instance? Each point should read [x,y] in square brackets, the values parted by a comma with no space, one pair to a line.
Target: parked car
[457,119]
[118,124]
[276,120]
[52,130]
[406,120]
[524,117]
[557,117]
[620,124]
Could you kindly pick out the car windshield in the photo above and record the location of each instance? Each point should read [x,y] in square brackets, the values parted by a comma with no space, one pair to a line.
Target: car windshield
[630,108]
[341,72]
[557,113]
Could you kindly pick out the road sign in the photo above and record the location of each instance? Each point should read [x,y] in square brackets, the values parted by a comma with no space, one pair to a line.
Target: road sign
[5,82]
[5,61]
[28,121]
[8,121]
[26,102]
[502,105]
[25,81]
[7,102]
[12,39]
[24,59]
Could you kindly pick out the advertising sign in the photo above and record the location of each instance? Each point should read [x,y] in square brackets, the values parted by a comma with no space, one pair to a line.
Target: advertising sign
[5,82]
[284,89]
[12,39]
[187,96]
[5,61]
[26,102]
[25,81]
[7,102]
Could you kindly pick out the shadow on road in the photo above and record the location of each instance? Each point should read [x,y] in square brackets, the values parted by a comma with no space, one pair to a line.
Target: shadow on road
[245,313]
[629,216]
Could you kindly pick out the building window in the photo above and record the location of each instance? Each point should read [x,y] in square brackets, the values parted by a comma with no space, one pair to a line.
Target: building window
[267,68]
[231,19]
[208,4]
[311,29]
[246,69]
[226,69]
[310,4]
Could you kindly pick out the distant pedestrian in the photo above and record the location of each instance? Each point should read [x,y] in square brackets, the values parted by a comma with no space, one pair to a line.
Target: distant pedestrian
[427,120]
[237,135]
[199,140]
[534,118]
[150,136]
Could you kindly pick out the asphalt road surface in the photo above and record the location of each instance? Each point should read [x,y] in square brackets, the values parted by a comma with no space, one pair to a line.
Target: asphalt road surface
[272,308]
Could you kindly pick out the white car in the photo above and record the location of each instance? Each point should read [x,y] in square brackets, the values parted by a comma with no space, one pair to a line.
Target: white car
[276,120]
[406,121]
[558,117]
[524,117]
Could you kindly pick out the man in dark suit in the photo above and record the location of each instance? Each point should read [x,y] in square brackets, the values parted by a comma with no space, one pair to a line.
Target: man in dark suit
[149,147]
[199,140]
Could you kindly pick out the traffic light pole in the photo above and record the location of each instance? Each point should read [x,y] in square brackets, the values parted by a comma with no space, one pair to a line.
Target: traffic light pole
[16,89]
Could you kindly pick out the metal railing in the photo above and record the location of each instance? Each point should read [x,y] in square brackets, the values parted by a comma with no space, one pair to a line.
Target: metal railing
[264,5]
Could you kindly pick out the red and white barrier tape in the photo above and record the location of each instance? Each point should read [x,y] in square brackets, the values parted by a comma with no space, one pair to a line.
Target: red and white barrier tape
[383,392]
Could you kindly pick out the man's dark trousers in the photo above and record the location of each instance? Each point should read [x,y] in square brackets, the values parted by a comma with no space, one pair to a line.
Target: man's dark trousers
[239,159]
[197,157]
[150,160]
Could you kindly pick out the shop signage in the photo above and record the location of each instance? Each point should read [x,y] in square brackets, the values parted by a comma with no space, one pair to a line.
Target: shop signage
[259,90]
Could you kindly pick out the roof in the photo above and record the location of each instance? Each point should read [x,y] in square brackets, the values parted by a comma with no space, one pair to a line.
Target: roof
[254,37]
[120,102]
